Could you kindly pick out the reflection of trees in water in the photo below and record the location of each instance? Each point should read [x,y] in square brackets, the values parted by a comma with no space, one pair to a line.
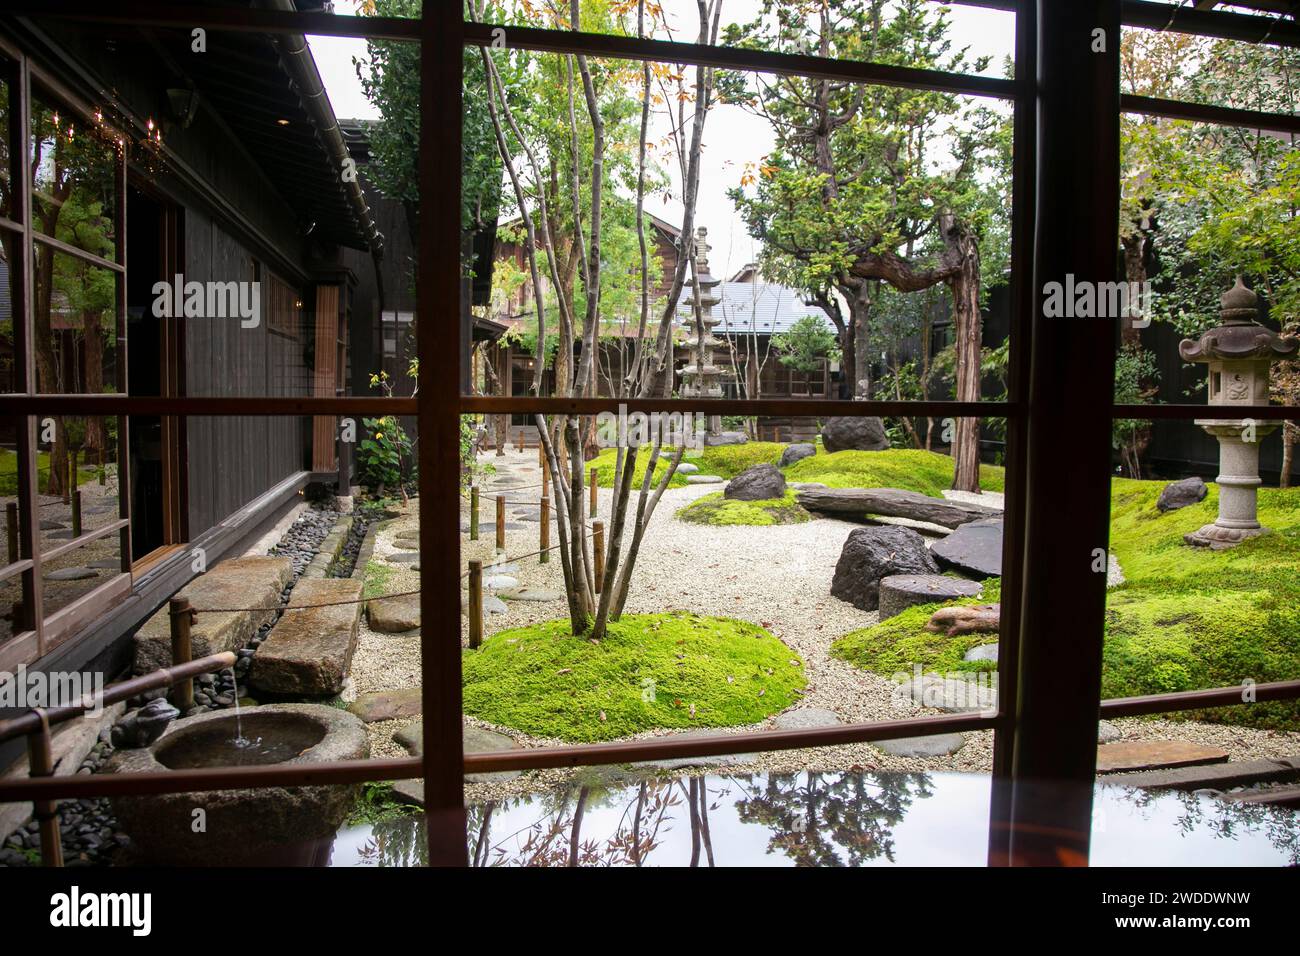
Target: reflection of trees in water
[1225,819]
[814,817]
[397,841]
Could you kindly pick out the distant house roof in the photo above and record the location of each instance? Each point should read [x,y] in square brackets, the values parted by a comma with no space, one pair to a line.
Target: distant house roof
[756,308]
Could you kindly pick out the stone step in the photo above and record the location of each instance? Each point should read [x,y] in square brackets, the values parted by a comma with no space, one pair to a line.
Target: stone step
[1274,797]
[1154,755]
[1221,776]
[388,704]
[309,652]
[254,582]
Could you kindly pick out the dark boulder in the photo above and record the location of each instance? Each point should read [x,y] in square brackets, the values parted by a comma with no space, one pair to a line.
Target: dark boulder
[759,483]
[871,554]
[1180,494]
[975,549]
[797,452]
[851,433]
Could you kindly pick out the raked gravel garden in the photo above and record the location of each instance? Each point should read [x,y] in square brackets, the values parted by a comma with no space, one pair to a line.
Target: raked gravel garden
[776,576]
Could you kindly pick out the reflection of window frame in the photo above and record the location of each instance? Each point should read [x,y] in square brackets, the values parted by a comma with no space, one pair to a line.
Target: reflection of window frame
[38,631]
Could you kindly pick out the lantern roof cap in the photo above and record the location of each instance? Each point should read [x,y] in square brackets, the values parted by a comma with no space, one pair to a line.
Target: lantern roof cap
[1239,336]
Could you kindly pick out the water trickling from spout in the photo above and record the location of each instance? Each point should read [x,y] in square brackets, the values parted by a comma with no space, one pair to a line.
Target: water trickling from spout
[241,742]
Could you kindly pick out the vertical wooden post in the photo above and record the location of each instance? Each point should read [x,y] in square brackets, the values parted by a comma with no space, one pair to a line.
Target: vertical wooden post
[40,763]
[546,482]
[473,512]
[102,470]
[598,549]
[76,513]
[593,492]
[475,604]
[182,615]
[545,526]
[541,455]
[501,522]
[11,530]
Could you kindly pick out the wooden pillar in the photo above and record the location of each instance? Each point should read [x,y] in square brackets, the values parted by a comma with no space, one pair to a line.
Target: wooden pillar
[501,522]
[473,512]
[594,487]
[475,604]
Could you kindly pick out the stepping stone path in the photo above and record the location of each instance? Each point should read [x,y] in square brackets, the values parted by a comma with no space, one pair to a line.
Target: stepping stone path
[499,582]
[107,564]
[936,745]
[1155,754]
[253,582]
[408,557]
[71,574]
[309,651]
[806,718]
[530,594]
[395,615]
[493,605]
[948,694]
[898,592]
[975,548]
[985,652]
[703,480]
[388,705]
[51,526]
[476,740]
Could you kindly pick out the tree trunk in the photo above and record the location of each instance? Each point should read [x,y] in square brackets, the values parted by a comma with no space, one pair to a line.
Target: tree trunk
[1290,432]
[1135,273]
[965,286]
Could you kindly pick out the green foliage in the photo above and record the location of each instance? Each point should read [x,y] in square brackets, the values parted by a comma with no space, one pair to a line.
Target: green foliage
[714,509]
[808,343]
[377,803]
[672,670]
[378,577]
[1136,376]
[381,454]
[910,469]
[606,464]
[730,460]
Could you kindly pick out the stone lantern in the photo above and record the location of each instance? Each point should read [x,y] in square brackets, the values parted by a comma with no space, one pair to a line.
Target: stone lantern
[1238,352]
[702,378]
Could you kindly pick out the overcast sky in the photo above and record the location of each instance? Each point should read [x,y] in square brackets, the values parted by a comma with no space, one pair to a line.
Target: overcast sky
[732,136]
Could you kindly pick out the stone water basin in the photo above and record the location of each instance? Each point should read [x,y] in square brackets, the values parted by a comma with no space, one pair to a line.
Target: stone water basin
[283,826]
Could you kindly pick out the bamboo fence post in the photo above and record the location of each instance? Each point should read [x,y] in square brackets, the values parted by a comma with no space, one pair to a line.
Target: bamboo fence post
[598,549]
[475,604]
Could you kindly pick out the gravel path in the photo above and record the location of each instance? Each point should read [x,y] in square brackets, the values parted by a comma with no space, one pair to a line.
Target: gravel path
[778,577]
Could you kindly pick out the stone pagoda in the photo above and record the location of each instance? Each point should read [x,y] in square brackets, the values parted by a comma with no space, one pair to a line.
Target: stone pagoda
[1239,352]
[702,378]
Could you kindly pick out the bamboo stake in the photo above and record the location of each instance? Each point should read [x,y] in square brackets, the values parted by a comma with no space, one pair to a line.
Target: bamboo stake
[475,604]
[593,492]
[473,512]
[76,513]
[11,530]
[598,549]
[40,763]
[545,544]
[182,616]
[501,522]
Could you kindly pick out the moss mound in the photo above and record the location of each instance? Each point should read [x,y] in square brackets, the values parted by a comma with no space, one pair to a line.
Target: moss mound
[648,672]
[908,468]
[1184,619]
[606,464]
[730,460]
[714,509]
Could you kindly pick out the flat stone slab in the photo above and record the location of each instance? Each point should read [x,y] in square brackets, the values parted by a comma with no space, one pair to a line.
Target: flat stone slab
[52,526]
[309,651]
[936,745]
[530,594]
[254,582]
[405,557]
[493,605]
[60,535]
[687,468]
[1220,776]
[677,763]
[984,652]
[975,548]
[949,694]
[476,740]
[898,592]
[388,705]
[1131,755]
[394,615]
[499,582]
[107,564]
[704,480]
[71,574]
[806,718]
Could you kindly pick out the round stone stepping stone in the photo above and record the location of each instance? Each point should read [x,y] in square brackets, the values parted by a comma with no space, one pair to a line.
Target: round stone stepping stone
[985,652]
[501,567]
[475,740]
[406,557]
[107,564]
[686,468]
[950,694]
[388,704]
[806,718]
[52,526]
[898,592]
[704,480]
[530,594]
[493,605]
[499,582]
[61,535]
[807,485]
[974,548]
[936,745]
[394,615]
[71,574]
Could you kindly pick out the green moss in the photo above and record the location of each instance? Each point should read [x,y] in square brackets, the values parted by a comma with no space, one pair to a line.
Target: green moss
[714,509]
[907,468]
[1184,619]
[730,460]
[606,464]
[894,646]
[376,579]
[648,672]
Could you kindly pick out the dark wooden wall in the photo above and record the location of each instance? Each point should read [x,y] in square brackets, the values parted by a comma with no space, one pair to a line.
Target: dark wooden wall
[233,460]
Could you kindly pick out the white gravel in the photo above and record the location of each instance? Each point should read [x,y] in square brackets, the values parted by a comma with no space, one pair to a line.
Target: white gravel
[778,577]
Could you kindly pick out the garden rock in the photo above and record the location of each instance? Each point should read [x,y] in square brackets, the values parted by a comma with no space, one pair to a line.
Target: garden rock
[475,740]
[936,745]
[797,452]
[1107,732]
[898,592]
[1155,754]
[703,480]
[974,548]
[1180,494]
[394,615]
[949,694]
[758,483]
[871,554]
[388,704]
[853,433]
[806,718]
[71,574]
[984,652]
[309,651]
[142,727]
[687,468]
[726,438]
